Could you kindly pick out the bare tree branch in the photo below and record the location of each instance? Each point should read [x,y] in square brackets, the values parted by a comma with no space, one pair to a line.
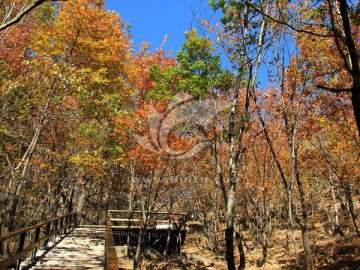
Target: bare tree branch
[22,13]
[283,22]
[335,90]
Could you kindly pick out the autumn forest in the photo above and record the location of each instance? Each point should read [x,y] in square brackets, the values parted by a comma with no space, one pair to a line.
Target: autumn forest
[252,128]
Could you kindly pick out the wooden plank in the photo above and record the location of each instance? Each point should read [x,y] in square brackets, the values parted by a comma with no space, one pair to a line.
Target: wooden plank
[127,227]
[92,226]
[125,219]
[166,221]
[157,221]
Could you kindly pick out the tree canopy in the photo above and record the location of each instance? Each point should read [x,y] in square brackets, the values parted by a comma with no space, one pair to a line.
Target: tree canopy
[257,122]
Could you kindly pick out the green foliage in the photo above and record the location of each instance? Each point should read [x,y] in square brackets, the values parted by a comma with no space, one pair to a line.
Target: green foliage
[165,81]
[220,4]
[230,9]
[46,13]
[198,65]
[199,72]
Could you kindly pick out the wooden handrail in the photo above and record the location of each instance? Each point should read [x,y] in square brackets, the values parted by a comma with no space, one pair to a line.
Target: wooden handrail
[134,220]
[18,232]
[140,212]
[66,221]
[111,260]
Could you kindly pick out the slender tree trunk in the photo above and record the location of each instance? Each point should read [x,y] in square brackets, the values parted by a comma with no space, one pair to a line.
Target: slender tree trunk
[216,210]
[332,224]
[336,212]
[69,202]
[167,248]
[81,203]
[265,245]
[265,224]
[304,223]
[12,213]
[132,183]
[351,206]
[355,99]
[239,241]
[291,221]
[138,258]
[99,210]
[229,232]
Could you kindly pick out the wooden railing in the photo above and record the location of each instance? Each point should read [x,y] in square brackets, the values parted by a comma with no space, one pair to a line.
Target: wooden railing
[34,237]
[111,260]
[161,230]
[123,219]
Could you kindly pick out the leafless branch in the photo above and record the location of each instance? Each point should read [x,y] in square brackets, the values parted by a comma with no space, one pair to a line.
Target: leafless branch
[22,13]
[283,22]
[335,90]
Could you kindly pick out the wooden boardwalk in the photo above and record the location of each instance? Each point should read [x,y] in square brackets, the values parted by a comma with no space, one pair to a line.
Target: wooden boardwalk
[82,248]
[69,246]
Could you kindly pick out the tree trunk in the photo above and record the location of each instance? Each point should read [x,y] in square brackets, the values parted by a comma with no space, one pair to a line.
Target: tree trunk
[336,212]
[138,258]
[132,182]
[265,224]
[291,221]
[12,213]
[168,236]
[99,210]
[332,224]
[351,207]
[229,232]
[304,223]
[239,241]
[81,203]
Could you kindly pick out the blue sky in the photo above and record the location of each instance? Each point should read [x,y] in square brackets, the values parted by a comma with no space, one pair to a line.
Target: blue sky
[151,20]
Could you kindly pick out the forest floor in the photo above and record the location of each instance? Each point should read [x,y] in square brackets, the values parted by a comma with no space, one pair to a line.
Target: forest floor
[329,252]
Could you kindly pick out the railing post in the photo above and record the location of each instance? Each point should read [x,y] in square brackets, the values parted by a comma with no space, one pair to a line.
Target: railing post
[37,236]
[66,223]
[55,229]
[48,226]
[75,220]
[1,243]
[21,247]
[61,224]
